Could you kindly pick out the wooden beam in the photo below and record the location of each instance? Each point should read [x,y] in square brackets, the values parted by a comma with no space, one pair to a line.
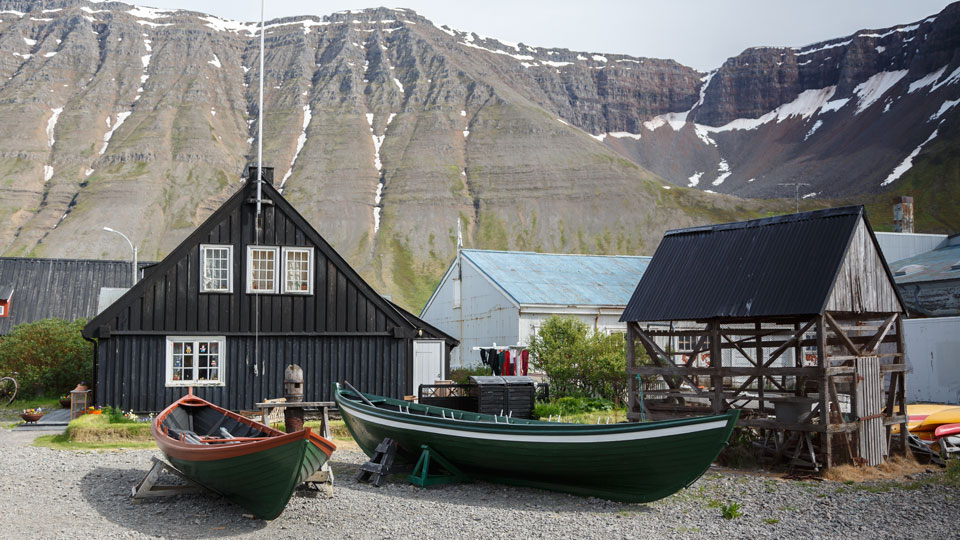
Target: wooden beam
[841,334]
[659,357]
[871,346]
[811,371]
[826,445]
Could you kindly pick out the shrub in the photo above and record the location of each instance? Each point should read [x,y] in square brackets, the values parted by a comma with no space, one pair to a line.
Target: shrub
[580,363]
[50,356]
[568,406]
[731,511]
[462,375]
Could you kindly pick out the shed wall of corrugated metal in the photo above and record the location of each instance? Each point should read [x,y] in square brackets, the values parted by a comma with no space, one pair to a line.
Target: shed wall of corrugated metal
[131,372]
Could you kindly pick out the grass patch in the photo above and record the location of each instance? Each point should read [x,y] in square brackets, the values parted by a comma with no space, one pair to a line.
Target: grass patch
[98,429]
[771,521]
[63,442]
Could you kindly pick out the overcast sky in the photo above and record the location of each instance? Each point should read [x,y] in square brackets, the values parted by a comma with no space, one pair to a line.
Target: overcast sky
[701,34]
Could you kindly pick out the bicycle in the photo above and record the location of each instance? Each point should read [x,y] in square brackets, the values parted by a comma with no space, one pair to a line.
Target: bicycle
[8,389]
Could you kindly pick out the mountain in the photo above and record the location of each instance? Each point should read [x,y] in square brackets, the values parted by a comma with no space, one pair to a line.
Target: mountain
[386,130]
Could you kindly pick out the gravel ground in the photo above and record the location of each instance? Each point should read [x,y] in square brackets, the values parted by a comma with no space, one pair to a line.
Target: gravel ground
[64,494]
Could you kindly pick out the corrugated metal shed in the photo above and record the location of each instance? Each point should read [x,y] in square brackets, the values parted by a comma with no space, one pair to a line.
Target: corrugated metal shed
[778,266]
[57,288]
[939,264]
[561,279]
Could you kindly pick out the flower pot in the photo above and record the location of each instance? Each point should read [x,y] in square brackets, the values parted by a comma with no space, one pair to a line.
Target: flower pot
[31,417]
[97,411]
[65,402]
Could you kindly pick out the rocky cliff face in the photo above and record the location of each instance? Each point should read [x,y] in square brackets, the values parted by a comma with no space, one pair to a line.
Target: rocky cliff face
[385,130]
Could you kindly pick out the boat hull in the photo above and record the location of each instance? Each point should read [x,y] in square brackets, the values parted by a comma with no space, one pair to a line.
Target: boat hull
[622,462]
[260,475]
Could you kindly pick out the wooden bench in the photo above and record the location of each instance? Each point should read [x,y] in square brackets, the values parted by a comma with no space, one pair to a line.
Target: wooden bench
[269,406]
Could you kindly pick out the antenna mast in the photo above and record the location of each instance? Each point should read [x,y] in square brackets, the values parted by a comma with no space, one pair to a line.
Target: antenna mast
[260,120]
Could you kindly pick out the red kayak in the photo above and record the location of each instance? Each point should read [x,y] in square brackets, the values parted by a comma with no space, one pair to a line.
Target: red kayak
[946,430]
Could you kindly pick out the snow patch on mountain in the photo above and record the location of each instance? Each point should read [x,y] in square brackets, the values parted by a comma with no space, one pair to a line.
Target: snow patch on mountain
[301,140]
[724,169]
[875,87]
[926,81]
[907,162]
[694,179]
[52,124]
[121,117]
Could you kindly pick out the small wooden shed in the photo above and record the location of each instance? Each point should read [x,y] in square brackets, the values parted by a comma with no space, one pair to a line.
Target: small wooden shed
[795,320]
[242,298]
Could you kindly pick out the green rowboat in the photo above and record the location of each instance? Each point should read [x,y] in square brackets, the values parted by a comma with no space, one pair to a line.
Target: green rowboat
[630,462]
[247,462]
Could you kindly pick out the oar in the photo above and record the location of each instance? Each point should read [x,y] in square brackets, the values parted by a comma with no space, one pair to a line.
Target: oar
[357,392]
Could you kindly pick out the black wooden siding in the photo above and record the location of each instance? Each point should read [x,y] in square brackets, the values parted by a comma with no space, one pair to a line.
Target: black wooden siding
[131,373]
[172,302]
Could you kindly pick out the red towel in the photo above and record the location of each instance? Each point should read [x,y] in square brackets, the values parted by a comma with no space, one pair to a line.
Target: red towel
[506,363]
[524,357]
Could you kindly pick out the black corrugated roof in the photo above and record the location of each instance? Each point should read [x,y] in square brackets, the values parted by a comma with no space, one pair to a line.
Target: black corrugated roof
[57,288]
[777,266]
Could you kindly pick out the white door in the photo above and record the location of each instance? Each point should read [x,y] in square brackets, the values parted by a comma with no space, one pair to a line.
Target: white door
[427,363]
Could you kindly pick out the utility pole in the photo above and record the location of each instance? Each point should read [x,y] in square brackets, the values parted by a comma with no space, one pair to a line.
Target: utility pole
[796,185]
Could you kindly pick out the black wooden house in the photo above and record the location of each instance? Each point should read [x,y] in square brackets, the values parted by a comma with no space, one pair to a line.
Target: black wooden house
[236,302]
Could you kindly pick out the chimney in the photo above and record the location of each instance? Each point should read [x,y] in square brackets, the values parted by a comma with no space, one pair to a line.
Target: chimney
[903,214]
[251,173]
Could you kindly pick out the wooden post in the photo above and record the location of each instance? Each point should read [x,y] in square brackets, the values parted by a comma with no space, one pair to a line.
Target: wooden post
[901,388]
[826,447]
[761,380]
[716,362]
[798,360]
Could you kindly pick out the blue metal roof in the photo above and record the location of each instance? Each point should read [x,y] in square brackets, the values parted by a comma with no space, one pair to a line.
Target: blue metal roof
[555,278]
[940,264]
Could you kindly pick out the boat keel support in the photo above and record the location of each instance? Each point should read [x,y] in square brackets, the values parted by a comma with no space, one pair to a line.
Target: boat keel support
[421,472]
[381,463]
[149,488]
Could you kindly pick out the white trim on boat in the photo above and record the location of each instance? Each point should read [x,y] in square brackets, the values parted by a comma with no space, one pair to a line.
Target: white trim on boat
[582,438]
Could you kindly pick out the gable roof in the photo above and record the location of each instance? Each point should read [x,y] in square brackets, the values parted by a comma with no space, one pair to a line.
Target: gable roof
[66,289]
[559,278]
[230,215]
[777,266]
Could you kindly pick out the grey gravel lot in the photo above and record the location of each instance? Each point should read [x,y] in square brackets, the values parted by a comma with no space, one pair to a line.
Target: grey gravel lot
[64,494]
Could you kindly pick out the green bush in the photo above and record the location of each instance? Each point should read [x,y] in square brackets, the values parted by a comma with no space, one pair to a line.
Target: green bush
[568,406]
[580,363]
[50,357]
[462,375]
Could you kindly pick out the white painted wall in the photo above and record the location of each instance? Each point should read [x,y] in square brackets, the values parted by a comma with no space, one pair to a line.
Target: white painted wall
[933,359]
[896,246]
[488,315]
[605,320]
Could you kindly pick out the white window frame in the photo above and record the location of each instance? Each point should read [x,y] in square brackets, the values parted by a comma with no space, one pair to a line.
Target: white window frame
[690,341]
[221,367]
[276,269]
[203,267]
[457,291]
[3,310]
[292,249]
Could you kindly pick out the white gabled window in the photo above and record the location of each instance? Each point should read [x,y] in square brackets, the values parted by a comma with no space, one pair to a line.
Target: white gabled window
[216,264]
[261,269]
[298,270]
[195,360]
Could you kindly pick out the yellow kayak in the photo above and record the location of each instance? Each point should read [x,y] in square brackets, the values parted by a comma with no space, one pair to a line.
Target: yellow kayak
[917,413]
[934,420]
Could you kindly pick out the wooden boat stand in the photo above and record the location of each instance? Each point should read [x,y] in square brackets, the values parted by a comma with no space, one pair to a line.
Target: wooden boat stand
[149,487]
[320,482]
[421,473]
[381,464]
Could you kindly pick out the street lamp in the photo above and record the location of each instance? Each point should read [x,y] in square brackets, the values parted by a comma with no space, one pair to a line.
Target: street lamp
[133,249]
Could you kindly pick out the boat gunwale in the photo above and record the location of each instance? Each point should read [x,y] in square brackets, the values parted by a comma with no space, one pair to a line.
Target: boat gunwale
[534,428]
[203,452]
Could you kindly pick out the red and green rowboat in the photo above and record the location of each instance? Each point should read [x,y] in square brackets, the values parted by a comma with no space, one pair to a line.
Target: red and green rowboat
[631,462]
[247,462]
